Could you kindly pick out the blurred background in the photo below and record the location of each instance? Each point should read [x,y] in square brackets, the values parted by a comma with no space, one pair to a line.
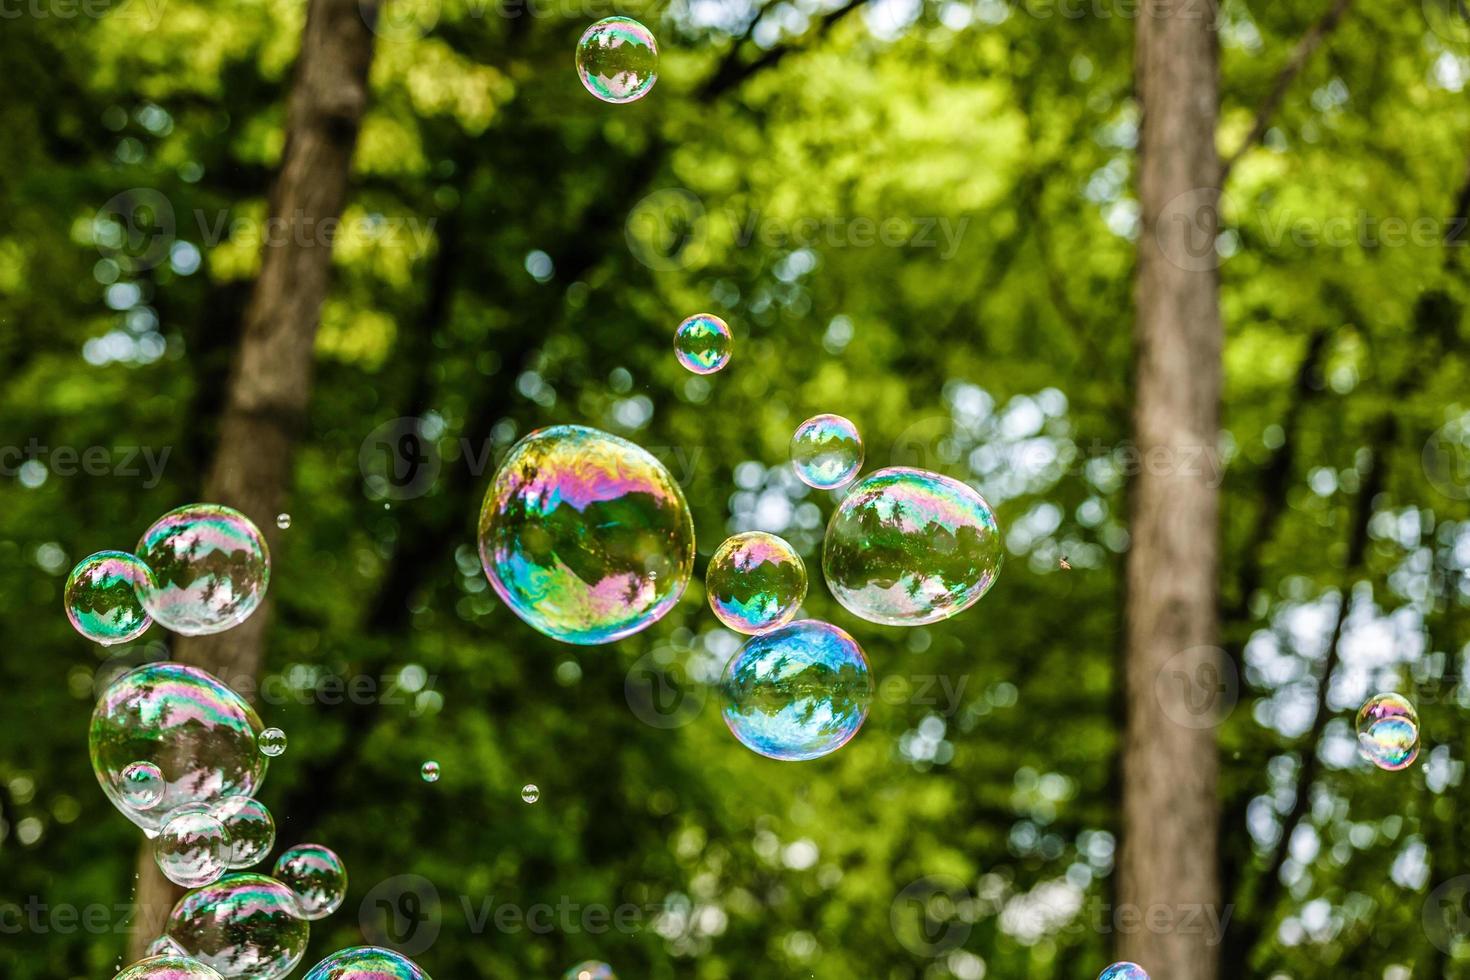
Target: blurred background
[918,214]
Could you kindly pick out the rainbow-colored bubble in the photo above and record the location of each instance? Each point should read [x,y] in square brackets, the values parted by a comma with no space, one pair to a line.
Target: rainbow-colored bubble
[826,452]
[244,925]
[907,547]
[210,566]
[188,725]
[168,967]
[1388,732]
[703,343]
[617,60]
[103,597]
[585,536]
[590,970]
[755,582]
[798,692]
[316,875]
[250,828]
[367,963]
[1124,971]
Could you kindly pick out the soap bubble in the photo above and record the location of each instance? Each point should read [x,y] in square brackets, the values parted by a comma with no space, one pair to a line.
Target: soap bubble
[585,536]
[703,343]
[617,59]
[590,970]
[211,568]
[826,451]
[756,582]
[164,946]
[430,771]
[251,829]
[316,875]
[102,597]
[367,963]
[192,847]
[907,547]
[244,925]
[1388,732]
[272,742]
[283,521]
[530,793]
[797,692]
[168,968]
[142,785]
[1124,971]
[186,722]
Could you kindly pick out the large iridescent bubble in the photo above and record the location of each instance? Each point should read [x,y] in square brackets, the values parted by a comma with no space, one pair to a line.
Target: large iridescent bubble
[703,343]
[211,568]
[585,536]
[316,875]
[826,452]
[102,597]
[168,968]
[1124,971]
[367,963]
[199,734]
[617,60]
[907,547]
[244,925]
[1388,732]
[590,970]
[756,582]
[797,692]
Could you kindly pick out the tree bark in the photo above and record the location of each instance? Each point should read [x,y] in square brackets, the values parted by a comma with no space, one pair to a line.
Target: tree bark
[1170,807]
[269,389]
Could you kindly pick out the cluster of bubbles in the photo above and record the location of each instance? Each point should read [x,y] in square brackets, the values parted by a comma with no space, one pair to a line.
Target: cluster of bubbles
[1124,971]
[202,568]
[703,343]
[1388,732]
[617,60]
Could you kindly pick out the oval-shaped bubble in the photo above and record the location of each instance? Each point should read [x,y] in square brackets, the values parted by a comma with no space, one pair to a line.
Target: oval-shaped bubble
[168,967]
[826,452]
[590,970]
[192,847]
[210,565]
[617,60]
[703,343]
[367,963]
[907,547]
[755,582]
[798,692]
[184,721]
[585,536]
[250,828]
[244,925]
[1124,971]
[103,597]
[316,875]
[1388,732]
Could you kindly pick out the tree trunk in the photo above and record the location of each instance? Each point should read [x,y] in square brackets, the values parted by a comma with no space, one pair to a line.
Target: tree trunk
[270,382]
[1168,885]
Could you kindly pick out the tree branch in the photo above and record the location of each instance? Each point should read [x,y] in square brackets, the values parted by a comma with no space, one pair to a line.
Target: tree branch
[1304,49]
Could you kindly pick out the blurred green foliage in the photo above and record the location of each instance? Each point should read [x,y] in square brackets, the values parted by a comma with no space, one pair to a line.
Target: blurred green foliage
[919,217]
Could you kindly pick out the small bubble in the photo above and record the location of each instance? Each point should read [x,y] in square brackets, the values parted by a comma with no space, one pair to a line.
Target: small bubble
[317,877]
[142,785]
[826,452]
[703,343]
[530,793]
[272,742]
[617,60]
[283,521]
[430,771]
[1388,732]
